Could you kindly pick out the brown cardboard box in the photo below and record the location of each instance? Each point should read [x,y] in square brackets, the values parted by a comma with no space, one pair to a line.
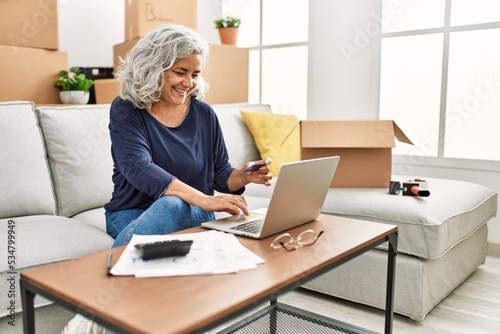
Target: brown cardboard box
[143,15]
[29,23]
[121,50]
[28,74]
[226,71]
[106,90]
[364,147]
[227,74]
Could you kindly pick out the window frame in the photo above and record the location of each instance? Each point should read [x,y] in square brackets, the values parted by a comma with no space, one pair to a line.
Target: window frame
[259,49]
[440,160]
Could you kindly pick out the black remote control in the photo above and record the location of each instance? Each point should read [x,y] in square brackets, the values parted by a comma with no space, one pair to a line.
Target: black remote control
[161,249]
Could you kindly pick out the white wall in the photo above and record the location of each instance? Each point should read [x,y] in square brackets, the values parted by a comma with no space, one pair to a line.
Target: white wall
[88,29]
[342,84]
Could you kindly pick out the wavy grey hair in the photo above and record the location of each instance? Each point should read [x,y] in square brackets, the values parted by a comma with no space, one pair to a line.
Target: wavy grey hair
[141,72]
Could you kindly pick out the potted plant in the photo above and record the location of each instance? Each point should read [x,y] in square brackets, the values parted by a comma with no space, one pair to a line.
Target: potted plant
[228,29]
[73,86]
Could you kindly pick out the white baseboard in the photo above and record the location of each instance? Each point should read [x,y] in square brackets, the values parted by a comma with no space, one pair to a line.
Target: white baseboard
[493,249]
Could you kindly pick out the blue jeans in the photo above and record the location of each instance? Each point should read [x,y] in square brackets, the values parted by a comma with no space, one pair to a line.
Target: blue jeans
[166,215]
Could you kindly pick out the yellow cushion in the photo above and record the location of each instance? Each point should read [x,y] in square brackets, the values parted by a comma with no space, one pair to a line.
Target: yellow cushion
[270,133]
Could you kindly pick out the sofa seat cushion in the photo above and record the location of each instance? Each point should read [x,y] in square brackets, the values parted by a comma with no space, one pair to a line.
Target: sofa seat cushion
[78,149]
[428,226]
[94,217]
[420,284]
[25,187]
[44,239]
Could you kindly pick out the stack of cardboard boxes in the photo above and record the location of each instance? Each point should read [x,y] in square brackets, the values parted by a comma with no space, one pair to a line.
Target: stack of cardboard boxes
[29,45]
[31,60]
[226,73]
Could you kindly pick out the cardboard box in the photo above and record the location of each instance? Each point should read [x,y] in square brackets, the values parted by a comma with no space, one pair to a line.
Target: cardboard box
[28,74]
[96,73]
[227,74]
[106,90]
[142,16]
[121,50]
[29,23]
[364,147]
[226,71]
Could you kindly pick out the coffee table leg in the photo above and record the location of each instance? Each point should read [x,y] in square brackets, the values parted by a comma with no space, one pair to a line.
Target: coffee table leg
[391,273]
[27,299]
[273,316]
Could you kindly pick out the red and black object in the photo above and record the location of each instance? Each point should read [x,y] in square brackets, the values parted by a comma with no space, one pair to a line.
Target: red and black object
[416,187]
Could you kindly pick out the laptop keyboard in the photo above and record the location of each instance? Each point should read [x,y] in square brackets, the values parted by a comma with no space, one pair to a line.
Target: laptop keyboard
[250,227]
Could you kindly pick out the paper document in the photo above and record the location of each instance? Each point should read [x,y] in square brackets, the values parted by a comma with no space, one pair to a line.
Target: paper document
[212,252]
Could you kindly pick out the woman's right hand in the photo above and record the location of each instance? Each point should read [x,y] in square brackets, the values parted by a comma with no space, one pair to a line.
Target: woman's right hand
[232,204]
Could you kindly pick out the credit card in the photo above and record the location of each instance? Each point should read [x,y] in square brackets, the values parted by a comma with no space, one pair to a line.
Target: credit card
[253,168]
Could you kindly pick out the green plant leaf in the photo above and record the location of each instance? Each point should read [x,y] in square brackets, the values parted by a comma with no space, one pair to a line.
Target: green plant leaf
[227,22]
[73,80]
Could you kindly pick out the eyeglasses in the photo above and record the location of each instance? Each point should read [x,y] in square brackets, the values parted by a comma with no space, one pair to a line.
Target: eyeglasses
[305,238]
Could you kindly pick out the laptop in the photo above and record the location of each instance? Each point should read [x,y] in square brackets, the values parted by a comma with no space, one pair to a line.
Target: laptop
[297,198]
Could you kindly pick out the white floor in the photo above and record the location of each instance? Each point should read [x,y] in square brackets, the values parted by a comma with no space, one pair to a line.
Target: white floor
[474,307]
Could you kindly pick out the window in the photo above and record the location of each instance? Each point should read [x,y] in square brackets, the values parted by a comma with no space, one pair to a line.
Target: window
[278,51]
[440,79]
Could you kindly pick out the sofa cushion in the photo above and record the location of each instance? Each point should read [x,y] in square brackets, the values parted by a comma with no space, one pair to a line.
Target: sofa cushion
[238,139]
[276,136]
[94,217]
[428,226]
[45,239]
[79,154]
[25,186]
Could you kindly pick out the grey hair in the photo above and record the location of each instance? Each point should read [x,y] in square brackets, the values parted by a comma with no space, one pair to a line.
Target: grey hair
[141,72]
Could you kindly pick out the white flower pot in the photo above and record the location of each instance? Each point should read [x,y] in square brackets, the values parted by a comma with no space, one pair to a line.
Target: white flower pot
[74,97]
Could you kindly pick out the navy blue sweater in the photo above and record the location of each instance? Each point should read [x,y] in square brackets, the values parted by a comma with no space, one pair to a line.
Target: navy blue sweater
[148,155]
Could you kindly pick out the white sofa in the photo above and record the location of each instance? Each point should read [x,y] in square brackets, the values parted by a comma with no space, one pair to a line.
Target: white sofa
[56,176]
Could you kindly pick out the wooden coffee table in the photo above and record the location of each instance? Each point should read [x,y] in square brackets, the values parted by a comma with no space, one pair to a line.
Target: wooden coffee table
[194,304]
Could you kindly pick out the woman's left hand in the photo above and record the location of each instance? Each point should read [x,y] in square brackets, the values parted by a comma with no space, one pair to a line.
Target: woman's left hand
[260,175]
[240,177]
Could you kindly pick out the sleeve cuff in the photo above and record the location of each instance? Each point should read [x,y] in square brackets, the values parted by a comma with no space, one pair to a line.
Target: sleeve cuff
[239,191]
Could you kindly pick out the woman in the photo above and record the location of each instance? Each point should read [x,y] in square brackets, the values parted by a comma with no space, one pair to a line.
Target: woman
[167,146]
